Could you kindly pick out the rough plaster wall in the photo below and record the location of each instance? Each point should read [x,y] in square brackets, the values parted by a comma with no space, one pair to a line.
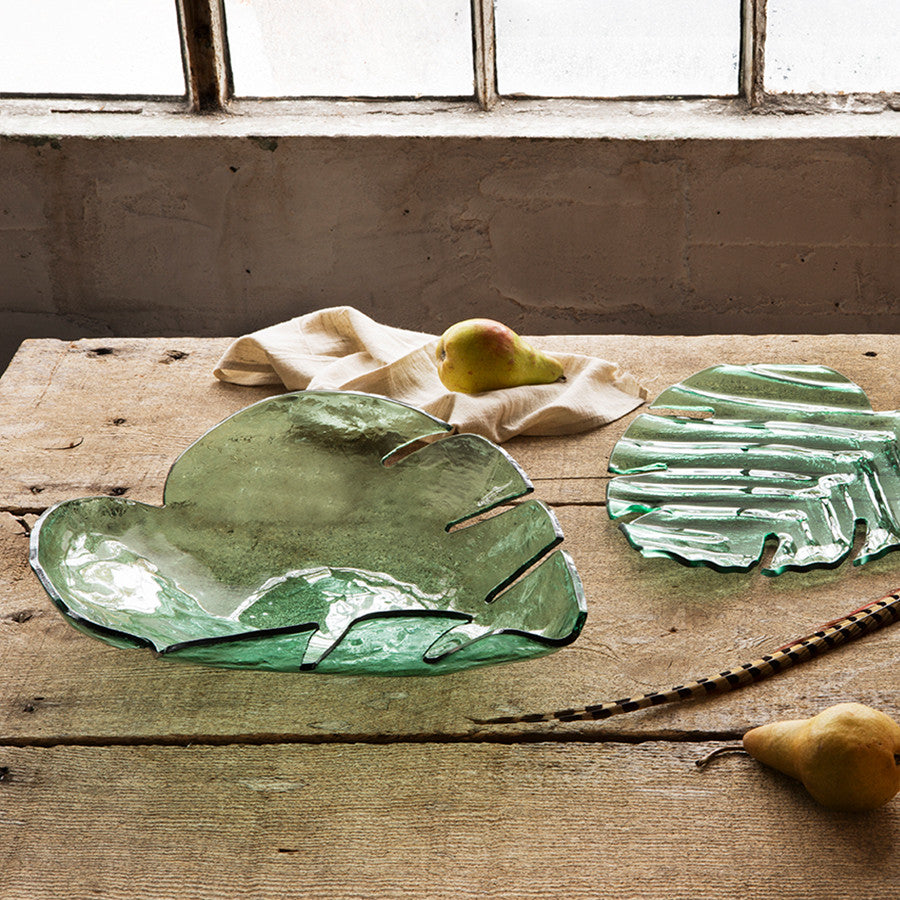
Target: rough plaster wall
[213,236]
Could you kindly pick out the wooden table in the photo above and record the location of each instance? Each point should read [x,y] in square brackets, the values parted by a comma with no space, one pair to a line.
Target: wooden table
[122,775]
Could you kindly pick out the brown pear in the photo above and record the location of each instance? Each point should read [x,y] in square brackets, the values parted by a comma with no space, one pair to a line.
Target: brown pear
[847,756]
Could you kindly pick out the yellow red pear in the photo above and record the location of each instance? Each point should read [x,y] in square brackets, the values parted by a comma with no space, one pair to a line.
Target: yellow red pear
[478,355]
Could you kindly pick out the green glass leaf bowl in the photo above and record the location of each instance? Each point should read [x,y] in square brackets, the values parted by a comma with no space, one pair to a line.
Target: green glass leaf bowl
[324,531]
[735,456]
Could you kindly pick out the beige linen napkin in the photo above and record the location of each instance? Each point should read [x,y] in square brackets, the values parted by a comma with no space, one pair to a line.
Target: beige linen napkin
[340,348]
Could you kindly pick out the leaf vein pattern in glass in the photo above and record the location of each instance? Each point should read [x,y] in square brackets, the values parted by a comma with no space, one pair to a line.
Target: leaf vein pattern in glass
[736,455]
[286,542]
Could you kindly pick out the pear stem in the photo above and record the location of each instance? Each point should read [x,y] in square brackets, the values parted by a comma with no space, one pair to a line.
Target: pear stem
[719,751]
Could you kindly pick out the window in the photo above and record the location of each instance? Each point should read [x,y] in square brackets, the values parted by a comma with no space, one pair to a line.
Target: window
[638,48]
[832,46]
[215,52]
[350,48]
[101,47]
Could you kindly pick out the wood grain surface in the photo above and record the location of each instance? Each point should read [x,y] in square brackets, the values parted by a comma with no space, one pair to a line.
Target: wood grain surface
[97,416]
[426,820]
[124,775]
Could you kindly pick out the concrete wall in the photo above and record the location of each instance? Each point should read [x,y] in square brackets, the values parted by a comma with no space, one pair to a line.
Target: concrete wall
[218,236]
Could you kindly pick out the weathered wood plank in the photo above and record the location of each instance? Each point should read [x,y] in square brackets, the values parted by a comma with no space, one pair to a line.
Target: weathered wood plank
[651,624]
[279,802]
[106,416]
[75,420]
[427,820]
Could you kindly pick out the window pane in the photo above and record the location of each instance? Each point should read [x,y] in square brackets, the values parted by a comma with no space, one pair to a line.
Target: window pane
[90,47]
[617,48]
[815,46]
[350,48]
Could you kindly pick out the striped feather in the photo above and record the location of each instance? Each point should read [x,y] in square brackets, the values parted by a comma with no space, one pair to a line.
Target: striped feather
[863,621]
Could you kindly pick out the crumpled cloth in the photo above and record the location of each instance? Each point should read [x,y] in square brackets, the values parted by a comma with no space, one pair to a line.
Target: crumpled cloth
[340,348]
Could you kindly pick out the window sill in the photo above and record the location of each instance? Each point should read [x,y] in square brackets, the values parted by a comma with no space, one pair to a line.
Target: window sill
[651,120]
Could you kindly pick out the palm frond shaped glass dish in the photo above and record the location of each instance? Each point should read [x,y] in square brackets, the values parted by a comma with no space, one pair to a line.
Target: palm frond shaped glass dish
[324,531]
[736,455]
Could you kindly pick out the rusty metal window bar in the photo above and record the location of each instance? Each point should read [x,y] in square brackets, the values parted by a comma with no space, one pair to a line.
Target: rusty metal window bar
[753,57]
[484,42]
[204,47]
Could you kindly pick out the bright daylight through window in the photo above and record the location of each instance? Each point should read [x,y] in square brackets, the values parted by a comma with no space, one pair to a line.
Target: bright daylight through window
[832,46]
[350,48]
[278,49]
[90,47]
[582,48]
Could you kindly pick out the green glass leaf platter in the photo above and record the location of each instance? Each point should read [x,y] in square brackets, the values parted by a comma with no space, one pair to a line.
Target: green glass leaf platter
[325,531]
[734,456]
